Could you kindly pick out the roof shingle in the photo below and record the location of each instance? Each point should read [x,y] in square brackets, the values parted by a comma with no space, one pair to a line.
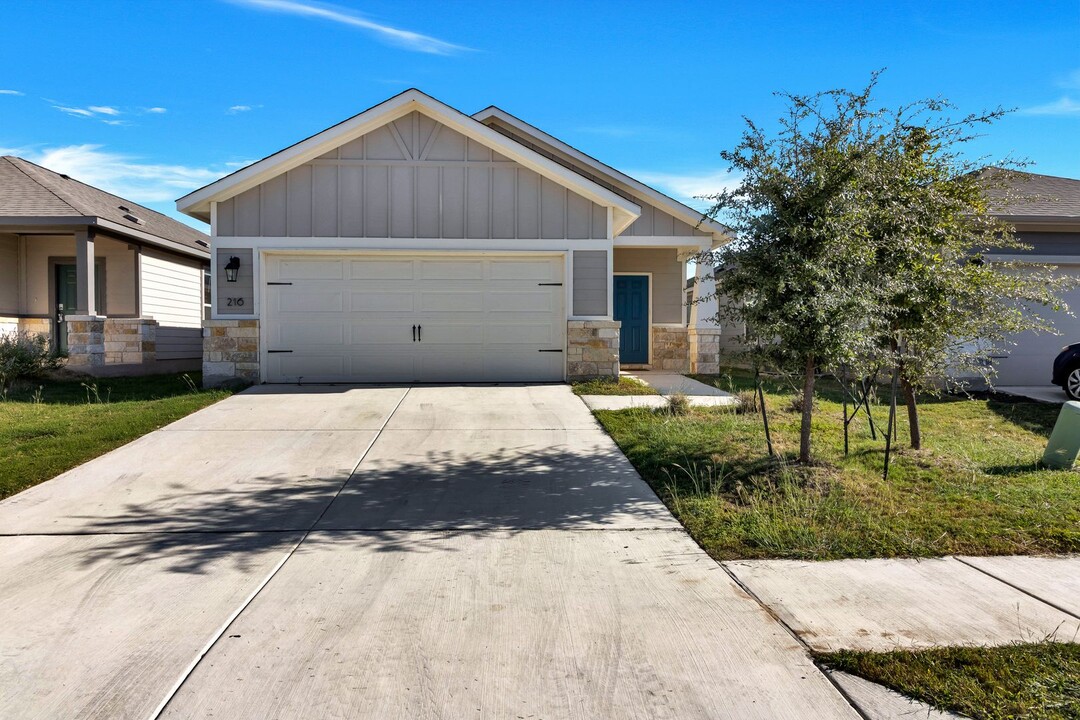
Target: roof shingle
[29,190]
[1023,194]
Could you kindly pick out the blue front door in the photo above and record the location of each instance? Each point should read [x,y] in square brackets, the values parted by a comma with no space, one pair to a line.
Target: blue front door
[632,309]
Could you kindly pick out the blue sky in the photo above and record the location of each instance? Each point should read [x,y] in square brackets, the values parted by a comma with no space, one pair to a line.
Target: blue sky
[151,99]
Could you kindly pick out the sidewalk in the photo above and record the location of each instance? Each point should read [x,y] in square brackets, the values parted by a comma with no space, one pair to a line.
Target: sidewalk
[667,384]
[892,604]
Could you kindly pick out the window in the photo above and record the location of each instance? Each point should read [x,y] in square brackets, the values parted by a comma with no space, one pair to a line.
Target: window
[206,293]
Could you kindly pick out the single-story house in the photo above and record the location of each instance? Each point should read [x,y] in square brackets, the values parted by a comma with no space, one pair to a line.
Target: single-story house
[1045,212]
[119,287]
[415,243]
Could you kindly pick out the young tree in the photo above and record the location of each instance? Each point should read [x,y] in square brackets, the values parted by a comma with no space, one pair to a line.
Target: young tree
[930,221]
[796,274]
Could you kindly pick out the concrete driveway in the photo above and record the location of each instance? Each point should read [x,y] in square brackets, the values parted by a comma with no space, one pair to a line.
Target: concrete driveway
[426,552]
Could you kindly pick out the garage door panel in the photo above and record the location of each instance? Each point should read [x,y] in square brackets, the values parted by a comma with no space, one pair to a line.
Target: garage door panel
[483,319]
[309,270]
[403,301]
[305,301]
[1030,360]
[452,302]
[451,269]
[381,269]
[310,333]
[509,301]
[544,271]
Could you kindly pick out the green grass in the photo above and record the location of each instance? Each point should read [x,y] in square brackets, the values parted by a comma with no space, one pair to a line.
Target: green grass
[1039,681]
[976,487]
[50,426]
[625,386]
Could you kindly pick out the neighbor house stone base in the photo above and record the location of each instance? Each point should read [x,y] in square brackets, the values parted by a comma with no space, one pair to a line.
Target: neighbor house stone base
[131,341]
[37,326]
[592,348]
[230,351]
[670,348]
[85,341]
[704,350]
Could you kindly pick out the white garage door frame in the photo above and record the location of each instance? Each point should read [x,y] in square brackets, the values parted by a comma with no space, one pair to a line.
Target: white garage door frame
[267,254]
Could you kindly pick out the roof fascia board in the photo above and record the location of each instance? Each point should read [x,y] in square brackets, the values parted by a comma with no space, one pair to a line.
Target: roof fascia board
[382,114]
[683,212]
[64,224]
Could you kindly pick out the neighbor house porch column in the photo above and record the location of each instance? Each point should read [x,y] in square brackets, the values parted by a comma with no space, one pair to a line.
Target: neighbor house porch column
[85,292]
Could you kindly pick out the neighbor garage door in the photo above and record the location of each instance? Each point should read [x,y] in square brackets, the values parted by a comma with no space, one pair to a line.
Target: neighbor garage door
[1030,361]
[391,318]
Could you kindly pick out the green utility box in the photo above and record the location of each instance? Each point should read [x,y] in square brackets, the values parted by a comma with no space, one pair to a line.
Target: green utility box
[1064,442]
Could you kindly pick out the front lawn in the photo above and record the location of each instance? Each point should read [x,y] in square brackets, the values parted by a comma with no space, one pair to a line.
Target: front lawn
[1038,681]
[51,426]
[975,488]
[624,386]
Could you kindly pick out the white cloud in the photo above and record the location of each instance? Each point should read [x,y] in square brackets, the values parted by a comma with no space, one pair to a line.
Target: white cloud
[11,92]
[156,110]
[124,175]
[406,39]
[237,109]
[688,187]
[80,112]
[103,110]
[1062,106]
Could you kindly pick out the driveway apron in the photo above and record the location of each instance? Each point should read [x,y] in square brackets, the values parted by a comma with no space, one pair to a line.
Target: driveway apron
[378,552]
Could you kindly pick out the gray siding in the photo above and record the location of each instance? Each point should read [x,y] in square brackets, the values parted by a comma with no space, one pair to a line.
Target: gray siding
[9,274]
[653,221]
[172,288]
[1049,243]
[178,343]
[590,282]
[412,178]
[668,284]
[243,290]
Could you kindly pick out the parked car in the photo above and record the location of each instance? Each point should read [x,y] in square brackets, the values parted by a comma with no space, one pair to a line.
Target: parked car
[1067,370]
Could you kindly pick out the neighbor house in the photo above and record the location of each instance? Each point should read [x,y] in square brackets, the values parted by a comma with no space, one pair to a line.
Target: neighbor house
[1045,212]
[117,286]
[412,242]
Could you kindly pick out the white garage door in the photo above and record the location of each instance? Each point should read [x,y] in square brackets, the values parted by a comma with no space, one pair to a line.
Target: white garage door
[414,319]
[1030,361]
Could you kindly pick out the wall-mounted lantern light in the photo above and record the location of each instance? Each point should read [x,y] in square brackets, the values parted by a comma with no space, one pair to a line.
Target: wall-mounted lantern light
[232,269]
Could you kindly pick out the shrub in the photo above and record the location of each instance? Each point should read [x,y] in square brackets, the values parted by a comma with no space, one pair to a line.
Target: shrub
[25,355]
[747,402]
[679,404]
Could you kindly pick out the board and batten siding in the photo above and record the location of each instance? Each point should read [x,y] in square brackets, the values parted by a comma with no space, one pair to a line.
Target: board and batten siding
[172,289]
[412,178]
[653,222]
[668,284]
[235,298]
[590,283]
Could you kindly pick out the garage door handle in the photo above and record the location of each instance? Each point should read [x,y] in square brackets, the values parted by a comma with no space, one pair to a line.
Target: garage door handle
[420,333]
[414,333]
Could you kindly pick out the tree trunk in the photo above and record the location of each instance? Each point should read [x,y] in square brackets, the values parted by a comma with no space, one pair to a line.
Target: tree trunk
[912,414]
[807,411]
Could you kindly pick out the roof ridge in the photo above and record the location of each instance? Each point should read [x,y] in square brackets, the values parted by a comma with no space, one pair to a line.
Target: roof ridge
[37,182]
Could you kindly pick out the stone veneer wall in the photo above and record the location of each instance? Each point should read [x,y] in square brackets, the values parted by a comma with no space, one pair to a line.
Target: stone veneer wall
[230,351]
[86,341]
[131,341]
[670,349]
[705,350]
[592,348]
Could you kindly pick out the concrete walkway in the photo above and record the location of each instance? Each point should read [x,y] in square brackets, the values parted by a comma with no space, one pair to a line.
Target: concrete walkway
[698,393]
[908,604]
[342,552]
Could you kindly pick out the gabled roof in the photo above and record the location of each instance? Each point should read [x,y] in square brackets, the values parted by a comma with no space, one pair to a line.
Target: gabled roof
[31,194]
[620,180]
[1033,197]
[197,203]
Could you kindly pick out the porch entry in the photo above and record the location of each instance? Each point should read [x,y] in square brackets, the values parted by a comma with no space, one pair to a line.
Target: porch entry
[65,282]
[632,309]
